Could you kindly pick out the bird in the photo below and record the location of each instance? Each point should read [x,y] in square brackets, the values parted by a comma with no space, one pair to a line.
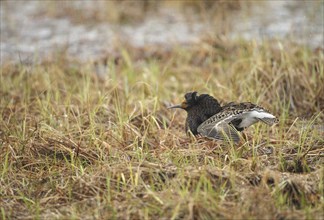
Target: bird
[206,117]
[199,108]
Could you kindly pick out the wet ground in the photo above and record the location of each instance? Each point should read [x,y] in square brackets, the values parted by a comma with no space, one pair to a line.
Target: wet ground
[35,30]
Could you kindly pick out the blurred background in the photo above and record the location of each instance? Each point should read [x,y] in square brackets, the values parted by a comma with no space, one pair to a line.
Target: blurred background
[90,30]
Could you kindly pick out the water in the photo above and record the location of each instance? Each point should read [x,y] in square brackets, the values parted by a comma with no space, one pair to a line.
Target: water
[30,32]
[299,21]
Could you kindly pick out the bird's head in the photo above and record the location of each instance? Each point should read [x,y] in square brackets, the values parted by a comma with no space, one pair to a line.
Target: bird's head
[191,99]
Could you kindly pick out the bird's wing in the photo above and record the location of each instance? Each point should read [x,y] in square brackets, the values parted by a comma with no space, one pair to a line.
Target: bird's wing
[218,127]
[269,121]
[262,115]
[240,106]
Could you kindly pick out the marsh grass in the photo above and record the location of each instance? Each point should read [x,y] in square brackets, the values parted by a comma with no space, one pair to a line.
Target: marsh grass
[78,146]
[128,12]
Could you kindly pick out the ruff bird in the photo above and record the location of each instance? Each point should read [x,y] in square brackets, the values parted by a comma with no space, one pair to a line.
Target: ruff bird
[206,117]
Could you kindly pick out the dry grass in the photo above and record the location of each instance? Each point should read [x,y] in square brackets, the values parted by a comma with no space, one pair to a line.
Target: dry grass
[125,11]
[78,146]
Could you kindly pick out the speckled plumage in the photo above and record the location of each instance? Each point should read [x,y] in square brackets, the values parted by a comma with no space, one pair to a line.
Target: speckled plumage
[206,117]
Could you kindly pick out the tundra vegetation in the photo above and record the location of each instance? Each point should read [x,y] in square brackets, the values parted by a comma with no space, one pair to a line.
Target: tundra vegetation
[76,144]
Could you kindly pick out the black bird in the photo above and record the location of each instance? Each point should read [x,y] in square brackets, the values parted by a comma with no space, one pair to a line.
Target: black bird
[207,118]
[199,108]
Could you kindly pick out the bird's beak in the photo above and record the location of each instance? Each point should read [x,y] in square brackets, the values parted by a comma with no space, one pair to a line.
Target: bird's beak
[183,105]
[175,106]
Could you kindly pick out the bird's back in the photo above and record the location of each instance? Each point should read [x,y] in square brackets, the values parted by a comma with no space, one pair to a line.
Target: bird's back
[238,116]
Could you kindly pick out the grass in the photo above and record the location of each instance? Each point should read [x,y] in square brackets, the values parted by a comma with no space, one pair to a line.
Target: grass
[126,12]
[78,146]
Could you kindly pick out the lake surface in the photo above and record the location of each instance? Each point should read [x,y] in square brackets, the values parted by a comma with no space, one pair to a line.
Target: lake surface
[37,30]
